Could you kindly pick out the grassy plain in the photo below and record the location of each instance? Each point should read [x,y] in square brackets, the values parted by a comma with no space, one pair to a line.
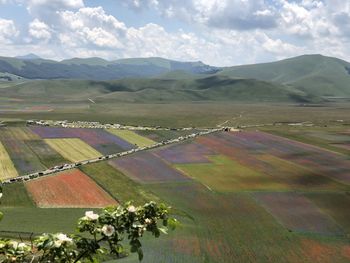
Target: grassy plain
[73,149]
[200,114]
[16,195]
[7,168]
[40,220]
[132,137]
[121,187]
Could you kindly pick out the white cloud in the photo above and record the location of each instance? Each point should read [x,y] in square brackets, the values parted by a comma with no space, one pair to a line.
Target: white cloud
[219,32]
[8,30]
[91,26]
[46,10]
[39,30]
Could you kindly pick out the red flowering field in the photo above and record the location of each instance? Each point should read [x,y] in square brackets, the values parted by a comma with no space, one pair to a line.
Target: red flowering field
[68,189]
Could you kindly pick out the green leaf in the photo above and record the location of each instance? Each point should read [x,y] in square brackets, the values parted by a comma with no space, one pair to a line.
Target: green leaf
[164,230]
[173,223]
[1,215]
[119,249]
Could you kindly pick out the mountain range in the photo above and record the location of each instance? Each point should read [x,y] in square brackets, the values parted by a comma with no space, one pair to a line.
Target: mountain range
[303,79]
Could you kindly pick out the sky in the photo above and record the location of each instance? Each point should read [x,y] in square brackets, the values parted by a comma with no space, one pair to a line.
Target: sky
[216,32]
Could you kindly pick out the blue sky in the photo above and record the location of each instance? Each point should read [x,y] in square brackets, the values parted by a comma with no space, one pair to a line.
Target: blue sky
[217,32]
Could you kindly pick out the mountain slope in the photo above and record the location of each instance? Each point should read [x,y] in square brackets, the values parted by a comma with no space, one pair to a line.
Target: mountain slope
[314,74]
[97,68]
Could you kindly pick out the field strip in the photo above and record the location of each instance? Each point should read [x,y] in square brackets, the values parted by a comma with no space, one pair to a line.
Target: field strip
[73,149]
[69,166]
[132,137]
[7,168]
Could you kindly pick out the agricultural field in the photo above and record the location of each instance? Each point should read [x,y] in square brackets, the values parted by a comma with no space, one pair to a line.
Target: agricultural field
[68,189]
[73,149]
[247,196]
[18,133]
[7,169]
[297,213]
[185,153]
[47,155]
[102,141]
[145,167]
[132,137]
[334,138]
[22,156]
[121,187]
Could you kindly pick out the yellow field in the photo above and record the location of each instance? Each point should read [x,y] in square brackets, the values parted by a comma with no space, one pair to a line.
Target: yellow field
[132,137]
[7,169]
[73,149]
[18,133]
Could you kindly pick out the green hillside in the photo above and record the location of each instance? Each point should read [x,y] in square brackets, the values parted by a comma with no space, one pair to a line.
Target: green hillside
[214,88]
[313,74]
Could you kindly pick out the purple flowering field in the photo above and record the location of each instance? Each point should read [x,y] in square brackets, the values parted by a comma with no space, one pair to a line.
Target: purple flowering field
[145,167]
[185,153]
[102,141]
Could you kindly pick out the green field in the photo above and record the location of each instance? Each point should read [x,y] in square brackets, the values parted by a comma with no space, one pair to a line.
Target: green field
[16,195]
[40,220]
[132,137]
[45,153]
[117,184]
[225,175]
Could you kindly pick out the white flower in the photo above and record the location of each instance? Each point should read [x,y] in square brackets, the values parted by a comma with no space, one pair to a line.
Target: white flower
[108,230]
[21,246]
[131,209]
[57,243]
[62,238]
[14,244]
[90,215]
[148,221]
[0,195]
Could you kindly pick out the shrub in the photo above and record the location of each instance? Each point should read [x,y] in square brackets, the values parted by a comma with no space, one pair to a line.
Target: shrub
[102,234]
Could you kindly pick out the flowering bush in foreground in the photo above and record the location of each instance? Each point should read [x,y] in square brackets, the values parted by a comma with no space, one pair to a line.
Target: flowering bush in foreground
[108,231]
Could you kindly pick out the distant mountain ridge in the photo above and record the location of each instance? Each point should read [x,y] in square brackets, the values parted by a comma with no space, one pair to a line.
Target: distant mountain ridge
[29,56]
[303,79]
[32,67]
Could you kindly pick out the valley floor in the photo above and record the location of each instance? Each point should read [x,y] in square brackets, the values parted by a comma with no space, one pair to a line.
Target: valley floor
[274,193]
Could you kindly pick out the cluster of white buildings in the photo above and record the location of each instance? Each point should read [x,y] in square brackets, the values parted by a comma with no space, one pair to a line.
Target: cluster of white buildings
[98,125]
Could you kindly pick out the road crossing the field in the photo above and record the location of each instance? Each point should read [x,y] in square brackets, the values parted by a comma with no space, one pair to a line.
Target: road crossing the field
[69,166]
